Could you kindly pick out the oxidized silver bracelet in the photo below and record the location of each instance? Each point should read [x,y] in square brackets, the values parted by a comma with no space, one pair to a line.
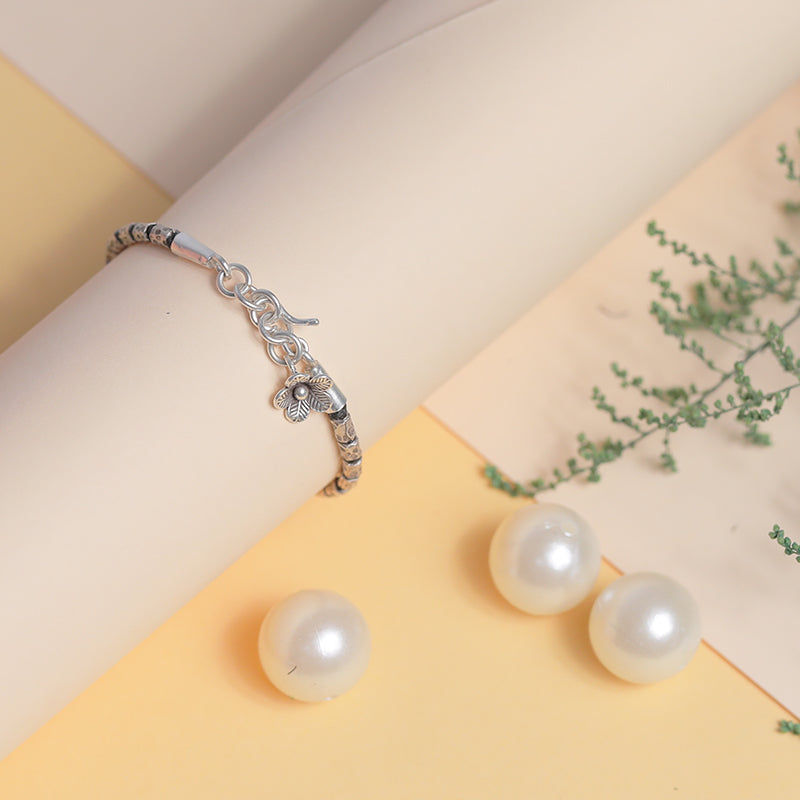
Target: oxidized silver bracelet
[305,390]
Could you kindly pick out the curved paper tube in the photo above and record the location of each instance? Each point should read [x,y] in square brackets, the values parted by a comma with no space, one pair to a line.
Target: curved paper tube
[417,205]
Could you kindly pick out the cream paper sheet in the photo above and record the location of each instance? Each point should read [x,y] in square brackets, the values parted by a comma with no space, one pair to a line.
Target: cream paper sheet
[521,401]
[417,205]
[173,85]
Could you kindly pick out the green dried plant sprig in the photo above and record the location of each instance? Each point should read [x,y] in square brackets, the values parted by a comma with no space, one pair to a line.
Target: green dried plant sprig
[790,548]
[787,726]
[722,306]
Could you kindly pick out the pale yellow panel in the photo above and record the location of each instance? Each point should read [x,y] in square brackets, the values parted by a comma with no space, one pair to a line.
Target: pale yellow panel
[465,697]
[63,192]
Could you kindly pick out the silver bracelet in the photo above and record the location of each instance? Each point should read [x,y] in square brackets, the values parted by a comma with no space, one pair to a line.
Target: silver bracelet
[305,390]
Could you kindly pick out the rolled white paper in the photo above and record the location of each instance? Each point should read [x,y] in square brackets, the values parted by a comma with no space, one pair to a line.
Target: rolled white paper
[210,73]
[417,205]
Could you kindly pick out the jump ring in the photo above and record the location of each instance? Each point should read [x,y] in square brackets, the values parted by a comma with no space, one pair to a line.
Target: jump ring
[221,278]
[286,360]
[219,263]
[256,302]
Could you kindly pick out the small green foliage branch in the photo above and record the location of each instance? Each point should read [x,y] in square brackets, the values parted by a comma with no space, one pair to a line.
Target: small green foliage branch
[787,726]
[725,305]
[789,547]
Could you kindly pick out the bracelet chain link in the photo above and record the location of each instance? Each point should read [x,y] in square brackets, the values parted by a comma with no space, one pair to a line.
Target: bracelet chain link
[307,388]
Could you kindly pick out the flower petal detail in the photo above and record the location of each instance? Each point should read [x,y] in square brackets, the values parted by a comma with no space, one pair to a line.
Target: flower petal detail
[318,394]
[323,382]
[282,398]
[297,377]
[319,401]
[297,410]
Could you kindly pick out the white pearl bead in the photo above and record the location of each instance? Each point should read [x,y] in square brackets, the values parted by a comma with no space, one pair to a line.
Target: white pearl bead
[544,558]
[314,645]
[645,627]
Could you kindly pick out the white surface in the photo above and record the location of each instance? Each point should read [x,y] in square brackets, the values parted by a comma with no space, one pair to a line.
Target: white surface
[417,205]
[524,398]
[391,25]
[174,85]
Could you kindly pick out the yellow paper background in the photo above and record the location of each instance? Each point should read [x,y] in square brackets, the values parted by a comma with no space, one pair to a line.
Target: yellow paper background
[465,697]
[64,191]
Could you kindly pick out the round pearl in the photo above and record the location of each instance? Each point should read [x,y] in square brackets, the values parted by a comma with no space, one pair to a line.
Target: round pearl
[314,645]
[644,627]
[544,558]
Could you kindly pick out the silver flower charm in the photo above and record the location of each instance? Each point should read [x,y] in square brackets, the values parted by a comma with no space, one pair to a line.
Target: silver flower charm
[303,393]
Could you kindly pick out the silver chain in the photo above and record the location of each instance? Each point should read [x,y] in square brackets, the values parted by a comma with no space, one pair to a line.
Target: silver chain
[266,312]
[307,388]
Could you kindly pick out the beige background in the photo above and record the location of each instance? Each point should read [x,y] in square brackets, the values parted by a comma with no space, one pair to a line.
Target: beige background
[706,526]
[174,85]
[401,186]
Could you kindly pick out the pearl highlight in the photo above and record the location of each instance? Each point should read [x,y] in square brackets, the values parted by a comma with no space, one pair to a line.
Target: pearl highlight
[544,558]
[314,645]
[644,627]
